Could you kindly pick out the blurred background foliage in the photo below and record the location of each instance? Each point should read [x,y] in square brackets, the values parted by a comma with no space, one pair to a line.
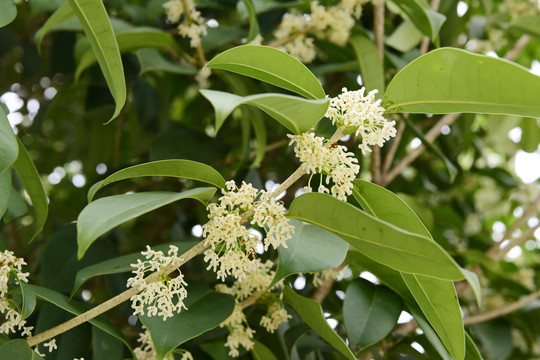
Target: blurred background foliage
[61,119]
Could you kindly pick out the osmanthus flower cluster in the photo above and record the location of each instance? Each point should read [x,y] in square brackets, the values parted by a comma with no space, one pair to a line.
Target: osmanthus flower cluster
[11,272]
[253,283]
[317,156]
[192,24]
[332,23]
[364,115]
[232,246]
[146,350]
[163,297]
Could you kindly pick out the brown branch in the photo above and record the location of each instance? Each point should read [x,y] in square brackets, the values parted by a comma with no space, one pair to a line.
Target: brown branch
[524,301]
[389,158]
[322,291]
[378,30]
[527,234]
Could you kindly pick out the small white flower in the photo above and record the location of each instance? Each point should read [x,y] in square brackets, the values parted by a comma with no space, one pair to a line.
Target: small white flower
[51,345]
[275,316]
[240,334]
[193,24]
[163,297]
[364,114]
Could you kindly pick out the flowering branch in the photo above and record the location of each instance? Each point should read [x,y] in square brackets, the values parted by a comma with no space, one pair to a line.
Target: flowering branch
[188,255]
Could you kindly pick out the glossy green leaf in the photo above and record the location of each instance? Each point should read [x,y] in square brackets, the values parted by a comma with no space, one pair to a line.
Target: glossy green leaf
[151,60]
[272,66]
[31,181]
[186,169]
[102,215]
[261,352]
[438,301]
[29,300]
[405,37]
[253,23]
[8,142]
[17,349]
[452,80]
[8,13]
[385,205]
[311,312]
[105,346]
[75,308]
[437,298]
[393,280]
[97,27]
[530,134]
[371,66]
[472,351]
[310,249]
[296,114]
[370,312]
[122,264]
[129,40]
[429,22]
[5,190]
[16,205]
[496,338]
[62,18]
[203,314]
[380,240]
[529,24]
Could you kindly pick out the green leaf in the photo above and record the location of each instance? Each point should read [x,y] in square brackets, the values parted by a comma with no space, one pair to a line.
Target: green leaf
[405,37]
[472,351]
[310,311]
[186,169]
[438,301]
[102,215]
[385,205]
[8,13]
[97,27]
[452,80]
[371,66]
[310,249]
[31,181]
[272,66]
[437,298]
[253,23]
[17,349]
[370,312]
[29,300]
[5,190]
[496,338]
[530,134]
[151,60]
[63,16]
[261,352]
[429,22]
[204,313]
[296,114]
[122,264]
[430,334]
[129,40]
[75,308]
[8,142]
[381,241]
[105,346]
[529,24]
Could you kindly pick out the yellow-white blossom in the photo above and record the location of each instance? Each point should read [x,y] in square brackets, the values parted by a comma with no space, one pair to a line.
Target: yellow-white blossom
[232,246]
[163,297]
[192,25]
[333,160]
[275,316]
[363,114]
[240,334]
[51,345]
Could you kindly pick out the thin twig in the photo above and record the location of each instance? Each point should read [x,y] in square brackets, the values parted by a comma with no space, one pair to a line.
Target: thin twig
[378,30]
[394,144]
[524,301]
[494,251]
[527,234]
[431,135]
[513,53]
[322,291]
